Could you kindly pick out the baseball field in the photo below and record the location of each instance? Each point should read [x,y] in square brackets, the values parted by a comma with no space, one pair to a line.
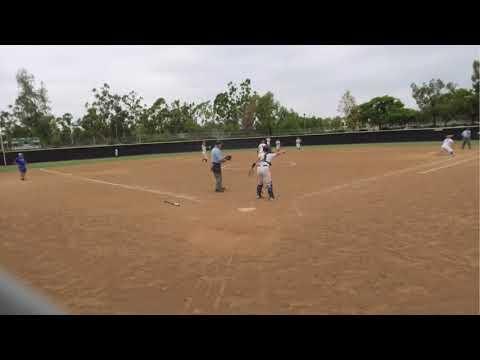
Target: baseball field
[354,229]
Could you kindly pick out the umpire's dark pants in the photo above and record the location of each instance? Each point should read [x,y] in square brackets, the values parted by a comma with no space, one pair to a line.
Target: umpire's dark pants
[217,172]
[466,141]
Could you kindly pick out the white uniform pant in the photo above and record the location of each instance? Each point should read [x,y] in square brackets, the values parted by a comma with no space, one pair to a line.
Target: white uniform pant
[264,176]
[447,149]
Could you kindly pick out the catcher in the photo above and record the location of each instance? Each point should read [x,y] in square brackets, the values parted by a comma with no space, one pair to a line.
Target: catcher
[217,160]
[264,175]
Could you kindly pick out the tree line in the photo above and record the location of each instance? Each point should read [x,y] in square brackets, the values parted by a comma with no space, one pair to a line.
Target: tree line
[113,118]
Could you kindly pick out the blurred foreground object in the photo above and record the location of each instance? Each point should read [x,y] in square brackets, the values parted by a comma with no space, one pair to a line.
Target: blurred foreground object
[16,299]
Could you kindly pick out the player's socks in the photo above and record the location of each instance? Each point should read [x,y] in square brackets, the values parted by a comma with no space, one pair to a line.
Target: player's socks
[270,192]
[259,191]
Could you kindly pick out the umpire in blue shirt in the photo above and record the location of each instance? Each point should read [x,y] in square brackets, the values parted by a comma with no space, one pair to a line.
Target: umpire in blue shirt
[217,160]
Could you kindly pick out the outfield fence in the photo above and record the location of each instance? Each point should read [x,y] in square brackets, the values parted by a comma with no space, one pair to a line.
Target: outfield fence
[183,145]
[199,135]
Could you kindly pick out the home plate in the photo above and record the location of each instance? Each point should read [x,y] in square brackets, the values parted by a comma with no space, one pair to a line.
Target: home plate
[246,209]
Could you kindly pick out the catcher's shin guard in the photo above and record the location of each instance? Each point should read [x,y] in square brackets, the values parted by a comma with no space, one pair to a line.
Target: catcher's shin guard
[259,190]
[270,191]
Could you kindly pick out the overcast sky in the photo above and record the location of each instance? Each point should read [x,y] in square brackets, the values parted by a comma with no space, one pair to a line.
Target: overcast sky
[309,79]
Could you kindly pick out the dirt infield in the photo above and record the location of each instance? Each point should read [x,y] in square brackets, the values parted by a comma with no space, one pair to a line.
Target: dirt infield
[354,230]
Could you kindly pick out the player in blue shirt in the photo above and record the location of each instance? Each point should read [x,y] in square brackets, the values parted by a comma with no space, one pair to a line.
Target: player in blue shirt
[22,165]
[217,159]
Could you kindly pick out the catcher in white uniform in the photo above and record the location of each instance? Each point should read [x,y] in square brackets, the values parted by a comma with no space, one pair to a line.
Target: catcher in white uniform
[447,144]
[264,175]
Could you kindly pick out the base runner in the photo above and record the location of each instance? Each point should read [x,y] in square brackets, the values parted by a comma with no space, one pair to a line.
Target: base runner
[447,145]
[277,145]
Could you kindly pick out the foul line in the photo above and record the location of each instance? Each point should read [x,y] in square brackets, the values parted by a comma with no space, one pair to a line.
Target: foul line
[446,166]
[369,179]
[129,187]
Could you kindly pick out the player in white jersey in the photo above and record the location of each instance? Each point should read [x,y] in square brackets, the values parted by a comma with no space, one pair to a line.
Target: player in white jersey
[298,142]
[264,176]
[447,144]
[268,141]
[260,146]
[204,151]
[277,145]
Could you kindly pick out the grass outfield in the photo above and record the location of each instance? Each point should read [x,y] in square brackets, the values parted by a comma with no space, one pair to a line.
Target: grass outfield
[9,168]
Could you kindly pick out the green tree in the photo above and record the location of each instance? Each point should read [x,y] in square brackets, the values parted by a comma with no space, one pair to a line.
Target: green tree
[348,108]
[381,111]
[248,119]
[64,125]
[476,91]
[230,106]
[181,118]
[79,135]
[157,116]
[118,114]
[108,107]
[31,107]
[476,77]
[428,96]
[401,116]
[333,124]
[132,110]
[7,126]
[267,109]
[94,125]
[288,120]
[457,104]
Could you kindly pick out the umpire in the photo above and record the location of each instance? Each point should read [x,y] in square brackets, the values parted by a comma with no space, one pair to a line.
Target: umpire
[466,136]
[217,160]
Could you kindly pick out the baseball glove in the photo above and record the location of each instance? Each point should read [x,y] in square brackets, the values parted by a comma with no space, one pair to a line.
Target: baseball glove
[228,157]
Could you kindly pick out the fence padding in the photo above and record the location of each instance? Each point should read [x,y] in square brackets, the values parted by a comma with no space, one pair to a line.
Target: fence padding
[106,151]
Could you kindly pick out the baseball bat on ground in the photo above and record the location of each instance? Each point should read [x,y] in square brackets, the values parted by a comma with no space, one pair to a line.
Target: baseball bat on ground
[172,203]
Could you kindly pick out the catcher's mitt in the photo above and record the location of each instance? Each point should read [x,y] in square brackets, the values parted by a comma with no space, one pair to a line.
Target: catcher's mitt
[228,157]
